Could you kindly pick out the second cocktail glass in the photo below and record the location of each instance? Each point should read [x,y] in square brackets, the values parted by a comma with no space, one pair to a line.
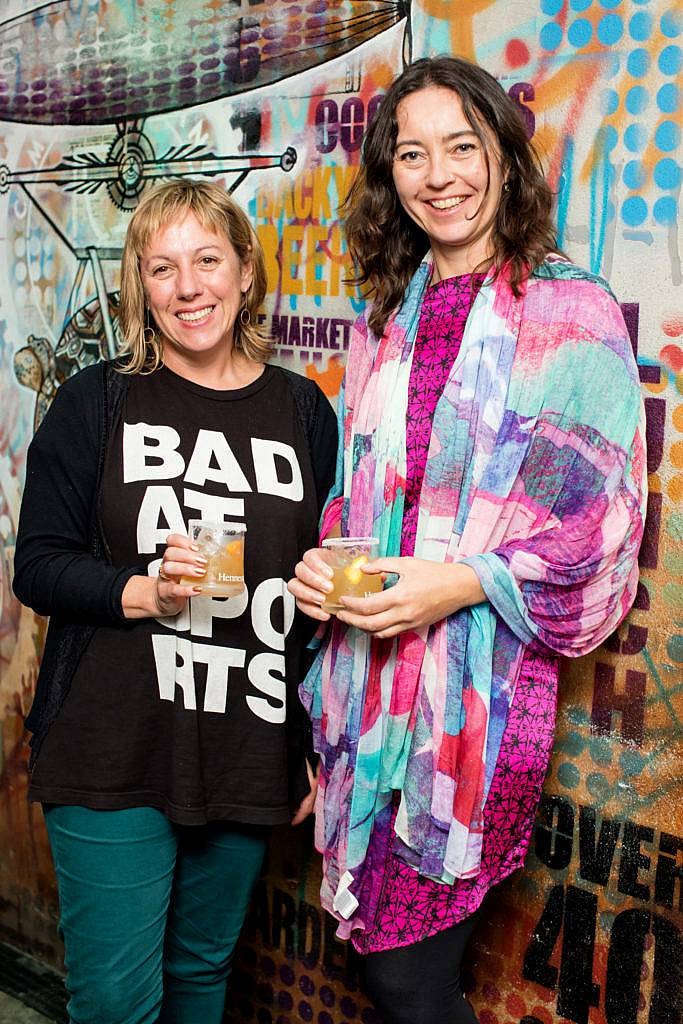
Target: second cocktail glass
[346,557]
[223,545]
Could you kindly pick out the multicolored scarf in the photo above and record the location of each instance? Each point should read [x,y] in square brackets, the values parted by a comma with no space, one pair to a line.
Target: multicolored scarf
[535,477]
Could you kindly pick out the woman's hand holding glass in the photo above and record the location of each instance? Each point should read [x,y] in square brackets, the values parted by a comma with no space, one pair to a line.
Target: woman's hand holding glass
[164,595]
[426,592]
[181,559]
[312,583]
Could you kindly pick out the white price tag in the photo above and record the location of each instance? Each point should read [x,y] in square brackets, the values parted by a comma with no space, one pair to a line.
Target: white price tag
[345,902]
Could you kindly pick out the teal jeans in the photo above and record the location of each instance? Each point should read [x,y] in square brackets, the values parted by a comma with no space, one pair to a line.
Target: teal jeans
[150,912]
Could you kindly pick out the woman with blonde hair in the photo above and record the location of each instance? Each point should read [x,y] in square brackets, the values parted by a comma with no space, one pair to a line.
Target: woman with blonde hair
[167,733]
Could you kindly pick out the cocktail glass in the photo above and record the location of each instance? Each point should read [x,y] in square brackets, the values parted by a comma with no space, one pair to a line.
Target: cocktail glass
[346,556]
[223,545]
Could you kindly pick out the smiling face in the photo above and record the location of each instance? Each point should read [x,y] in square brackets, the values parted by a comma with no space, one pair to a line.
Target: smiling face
[443,180]
[193,282]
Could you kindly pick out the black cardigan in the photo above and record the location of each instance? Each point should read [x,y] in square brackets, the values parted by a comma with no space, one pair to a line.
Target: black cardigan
[62,566]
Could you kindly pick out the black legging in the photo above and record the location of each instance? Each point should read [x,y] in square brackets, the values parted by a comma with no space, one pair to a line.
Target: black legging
[420,984]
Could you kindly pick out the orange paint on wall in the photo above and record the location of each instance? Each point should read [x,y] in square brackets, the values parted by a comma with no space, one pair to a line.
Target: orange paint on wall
[555,90]
[330,379]
[675,488]
[460,18]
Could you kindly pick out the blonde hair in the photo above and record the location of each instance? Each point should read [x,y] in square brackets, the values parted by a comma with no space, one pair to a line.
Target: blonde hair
[216,211]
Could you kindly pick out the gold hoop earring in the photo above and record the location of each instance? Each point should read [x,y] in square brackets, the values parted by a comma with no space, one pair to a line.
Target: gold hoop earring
[152,342]
[506,186]
[245,316]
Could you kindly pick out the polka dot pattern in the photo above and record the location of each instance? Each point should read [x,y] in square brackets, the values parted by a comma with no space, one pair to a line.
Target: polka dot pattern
[671,23]
[609,103]
[670,60]
[270,987]
[551,36]
[669,98]
[638,63]
[634,211]
[667,174]
[653,108]
[610,29]
[665,211]
[667,136]
[635,138]
[637,99]
[580,33]
[634,175]
[640,26]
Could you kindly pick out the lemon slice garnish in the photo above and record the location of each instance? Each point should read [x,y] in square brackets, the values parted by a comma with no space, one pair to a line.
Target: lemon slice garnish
[353,571]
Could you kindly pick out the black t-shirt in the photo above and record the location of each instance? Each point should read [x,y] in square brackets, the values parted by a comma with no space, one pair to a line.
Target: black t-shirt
[191,714]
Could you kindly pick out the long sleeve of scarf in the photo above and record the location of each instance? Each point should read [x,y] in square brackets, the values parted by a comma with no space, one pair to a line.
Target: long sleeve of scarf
[566,579]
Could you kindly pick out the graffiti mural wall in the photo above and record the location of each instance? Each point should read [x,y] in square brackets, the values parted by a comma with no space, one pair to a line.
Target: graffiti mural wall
[99,98]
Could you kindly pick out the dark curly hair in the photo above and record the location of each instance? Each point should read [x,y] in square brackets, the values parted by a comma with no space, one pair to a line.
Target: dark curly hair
[387,245]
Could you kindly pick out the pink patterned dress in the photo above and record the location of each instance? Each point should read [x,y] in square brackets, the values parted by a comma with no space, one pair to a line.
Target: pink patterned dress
[402,906]
[540,486]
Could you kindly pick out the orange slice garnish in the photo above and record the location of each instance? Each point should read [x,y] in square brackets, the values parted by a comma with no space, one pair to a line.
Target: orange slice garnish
[353,572]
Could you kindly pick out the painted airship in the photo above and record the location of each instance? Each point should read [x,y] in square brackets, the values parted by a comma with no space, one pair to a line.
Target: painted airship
[107,61]
[118,62]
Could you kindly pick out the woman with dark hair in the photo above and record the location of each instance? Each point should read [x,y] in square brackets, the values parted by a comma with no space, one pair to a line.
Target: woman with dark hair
[168,736]
[508,498]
